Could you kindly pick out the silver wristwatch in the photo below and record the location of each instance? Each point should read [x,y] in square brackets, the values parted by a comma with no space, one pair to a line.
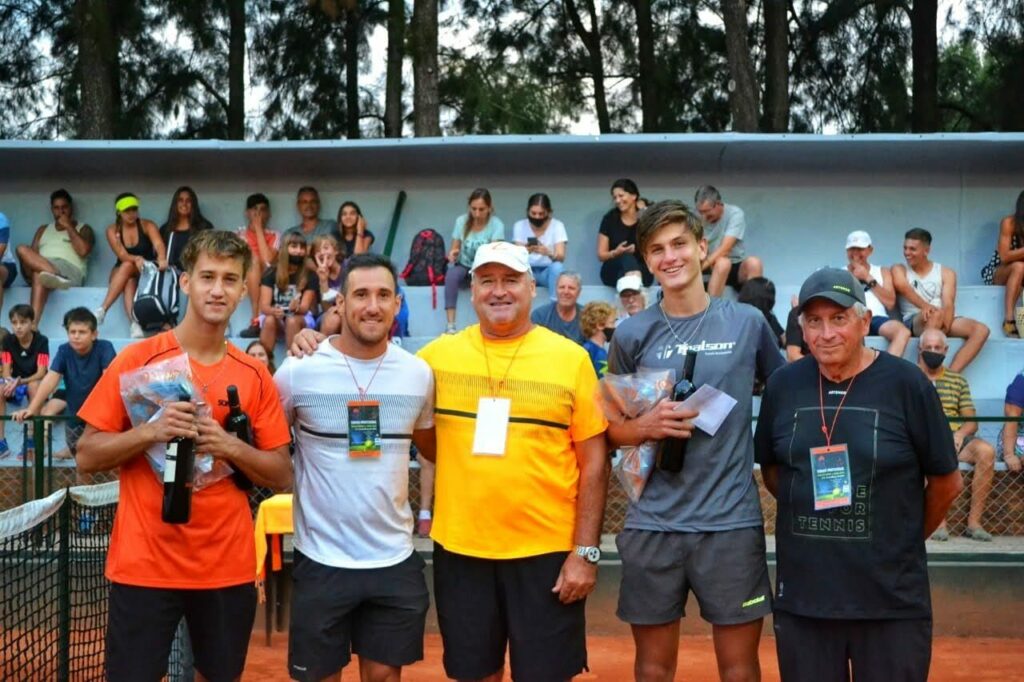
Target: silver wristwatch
[591,554]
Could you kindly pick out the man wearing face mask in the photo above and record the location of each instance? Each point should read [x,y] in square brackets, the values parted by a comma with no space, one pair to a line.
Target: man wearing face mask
[955,395]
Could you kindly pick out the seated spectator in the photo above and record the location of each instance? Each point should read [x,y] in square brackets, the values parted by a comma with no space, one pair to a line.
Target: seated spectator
[955,394]
[265,355]
[724,228]
[287,293]
[184,219]
[133,240]
[562,316]
[24,357]
[631,295]
[616,238]
[796,348]
[263,243]
[879,293]
[545,238]
[1010,445]
[1006,267]
[760,293]
[328,274]
[8,268]
[307,201]
[926,293]
[352,230]
[80,362]
[597,321]
[472,230]
[56,259]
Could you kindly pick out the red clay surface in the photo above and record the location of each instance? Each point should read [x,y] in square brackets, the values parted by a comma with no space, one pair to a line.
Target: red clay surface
[611,658]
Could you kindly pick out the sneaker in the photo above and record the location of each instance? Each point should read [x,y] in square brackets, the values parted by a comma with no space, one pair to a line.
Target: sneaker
[100,314]
[53,281]
[979,534]
[941,535]
[135,330]
[450,328]
[423,527]
[252,331]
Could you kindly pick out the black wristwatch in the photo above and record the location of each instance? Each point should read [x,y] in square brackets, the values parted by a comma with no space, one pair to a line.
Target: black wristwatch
[869,285]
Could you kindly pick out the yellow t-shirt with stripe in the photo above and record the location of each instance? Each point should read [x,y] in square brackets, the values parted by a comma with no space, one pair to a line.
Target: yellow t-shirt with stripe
[955,394]
[523,503]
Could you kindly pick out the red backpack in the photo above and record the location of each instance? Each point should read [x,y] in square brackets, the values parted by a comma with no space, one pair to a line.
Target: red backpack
[428,262]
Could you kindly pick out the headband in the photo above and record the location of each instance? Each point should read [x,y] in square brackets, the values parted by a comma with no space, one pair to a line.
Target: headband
[124,203]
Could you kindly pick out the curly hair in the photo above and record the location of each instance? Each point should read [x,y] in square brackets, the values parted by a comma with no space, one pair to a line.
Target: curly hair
[594,315]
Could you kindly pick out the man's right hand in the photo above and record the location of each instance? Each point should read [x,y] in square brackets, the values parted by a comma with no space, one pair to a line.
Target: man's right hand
[178,420]
[665,421]
[305,343]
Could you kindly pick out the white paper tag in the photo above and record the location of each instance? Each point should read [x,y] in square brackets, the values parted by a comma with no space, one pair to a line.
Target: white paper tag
[491,426]
[713,405]
[170,462]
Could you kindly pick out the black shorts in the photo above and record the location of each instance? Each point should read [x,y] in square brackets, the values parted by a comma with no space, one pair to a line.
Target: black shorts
[727,571]
[377,613]
[484,604]
[814,649]
[12,272]
[143,621]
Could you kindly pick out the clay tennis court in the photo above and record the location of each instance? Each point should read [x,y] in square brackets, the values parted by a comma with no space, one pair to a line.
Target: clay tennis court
[611,658]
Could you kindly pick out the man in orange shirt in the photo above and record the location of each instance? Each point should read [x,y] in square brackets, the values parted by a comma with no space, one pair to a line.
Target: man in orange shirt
[201,570]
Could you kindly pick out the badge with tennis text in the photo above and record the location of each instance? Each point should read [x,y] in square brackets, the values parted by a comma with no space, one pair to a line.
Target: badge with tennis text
[830,476]
[491,426]
[363,429]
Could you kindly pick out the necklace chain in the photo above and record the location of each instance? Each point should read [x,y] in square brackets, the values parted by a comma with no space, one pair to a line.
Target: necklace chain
[204,386]
[661,307]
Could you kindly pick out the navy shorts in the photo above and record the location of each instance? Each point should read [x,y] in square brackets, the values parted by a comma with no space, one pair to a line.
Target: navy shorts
[876,324]
[12,272]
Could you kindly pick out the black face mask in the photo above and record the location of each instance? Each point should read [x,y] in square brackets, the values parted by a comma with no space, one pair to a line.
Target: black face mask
[932,359]
[608,331]
[536,222]
[296,260]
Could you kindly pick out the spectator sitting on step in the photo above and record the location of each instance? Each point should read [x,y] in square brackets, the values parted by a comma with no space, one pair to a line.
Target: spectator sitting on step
[926,293]
[796,347]
[8,267]
[879,292]
[1006,267]
[1010,445]
[184,220]
[263,243]
[616,238]
[631,295]
[955,394]
[352,230]
[287,293]
[80,362]
[307,202]
[760,293]
[56,259]
[597,320]
[473,229]
[328,274]
[545,238]
[724,227]
[265,355]
[134,240]
[24,358]
[562,316]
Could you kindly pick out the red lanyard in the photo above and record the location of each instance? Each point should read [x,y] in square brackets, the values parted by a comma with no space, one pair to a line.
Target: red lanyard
[821,403]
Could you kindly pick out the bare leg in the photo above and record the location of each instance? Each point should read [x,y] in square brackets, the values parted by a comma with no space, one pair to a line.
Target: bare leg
[975,333]
[252,282]
[750,267]
[736,651]
[119,276]
[39,296]
[1011,275]
[983,456]
[32,262]
[372,671]
[657,652]
[292,326]
[719,274]
[130,287]
[268,335]
[897,334]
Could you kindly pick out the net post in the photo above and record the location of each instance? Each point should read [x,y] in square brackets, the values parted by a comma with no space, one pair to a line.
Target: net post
[40,456]
[64,576]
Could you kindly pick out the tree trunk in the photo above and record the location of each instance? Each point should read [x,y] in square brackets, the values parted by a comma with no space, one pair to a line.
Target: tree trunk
[98,70]
[352,31]
[592,42]
[648,88]
[393,83]
[743,95]
[236,70]
[923,19]
[426,98]
[776,89]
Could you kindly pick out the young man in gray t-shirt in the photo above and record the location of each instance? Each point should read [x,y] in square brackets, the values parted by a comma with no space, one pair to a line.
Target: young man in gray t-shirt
[701,528]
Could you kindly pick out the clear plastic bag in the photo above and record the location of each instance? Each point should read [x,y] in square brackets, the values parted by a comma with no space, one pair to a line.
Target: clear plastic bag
[631,395]
[146,390]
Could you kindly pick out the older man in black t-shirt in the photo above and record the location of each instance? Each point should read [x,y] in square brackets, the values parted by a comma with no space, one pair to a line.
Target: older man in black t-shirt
[847,439]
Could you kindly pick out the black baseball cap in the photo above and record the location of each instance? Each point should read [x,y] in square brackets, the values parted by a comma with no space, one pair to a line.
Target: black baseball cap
[834,284]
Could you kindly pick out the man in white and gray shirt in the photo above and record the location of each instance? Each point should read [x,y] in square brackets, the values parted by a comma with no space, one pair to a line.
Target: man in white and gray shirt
[355,406]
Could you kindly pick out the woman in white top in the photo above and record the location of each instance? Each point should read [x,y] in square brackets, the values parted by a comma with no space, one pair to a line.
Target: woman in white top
[545,238]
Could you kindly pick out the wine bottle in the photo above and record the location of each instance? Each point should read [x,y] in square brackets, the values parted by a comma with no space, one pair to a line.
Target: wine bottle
[673,450]
[238,424]
[179,461]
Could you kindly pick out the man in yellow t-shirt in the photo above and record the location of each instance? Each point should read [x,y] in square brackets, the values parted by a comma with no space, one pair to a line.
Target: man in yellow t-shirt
[522,473]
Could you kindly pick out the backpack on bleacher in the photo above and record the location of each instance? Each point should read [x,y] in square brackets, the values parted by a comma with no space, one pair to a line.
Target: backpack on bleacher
[428,261]
[158,297]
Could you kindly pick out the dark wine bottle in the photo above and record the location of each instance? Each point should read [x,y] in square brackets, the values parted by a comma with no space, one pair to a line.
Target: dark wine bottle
[238,424]
[673,450]
[179,461]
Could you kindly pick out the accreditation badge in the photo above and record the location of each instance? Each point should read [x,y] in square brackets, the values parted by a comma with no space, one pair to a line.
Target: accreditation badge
[363,429]
[830,476]
[491,426]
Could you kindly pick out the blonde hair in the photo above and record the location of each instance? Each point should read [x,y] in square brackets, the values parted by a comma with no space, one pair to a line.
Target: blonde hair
[594,315]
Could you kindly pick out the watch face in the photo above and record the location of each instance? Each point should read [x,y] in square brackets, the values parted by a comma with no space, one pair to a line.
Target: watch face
[593,555]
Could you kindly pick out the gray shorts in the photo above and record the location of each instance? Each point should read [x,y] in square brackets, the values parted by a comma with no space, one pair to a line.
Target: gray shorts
[726,570]
[69,271]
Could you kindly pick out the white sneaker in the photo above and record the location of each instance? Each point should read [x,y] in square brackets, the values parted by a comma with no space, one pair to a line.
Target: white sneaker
[136,330]
[53,281]
[450,328]
[100,314]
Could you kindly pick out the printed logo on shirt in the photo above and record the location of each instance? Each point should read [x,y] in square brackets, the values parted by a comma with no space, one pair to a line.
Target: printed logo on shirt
[704,347]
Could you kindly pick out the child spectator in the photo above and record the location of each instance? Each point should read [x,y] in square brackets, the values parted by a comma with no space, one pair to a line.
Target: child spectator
[24,357]
[8,268]
[287,293]
[328,278]
[598,322]
[263,243]
[352,230]
[261,353]
[134,241]
[80,362]
[473,229]
[184,219]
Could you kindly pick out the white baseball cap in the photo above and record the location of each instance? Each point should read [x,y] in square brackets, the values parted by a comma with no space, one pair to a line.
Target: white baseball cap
[505,253]
[858,239]
[629,283]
